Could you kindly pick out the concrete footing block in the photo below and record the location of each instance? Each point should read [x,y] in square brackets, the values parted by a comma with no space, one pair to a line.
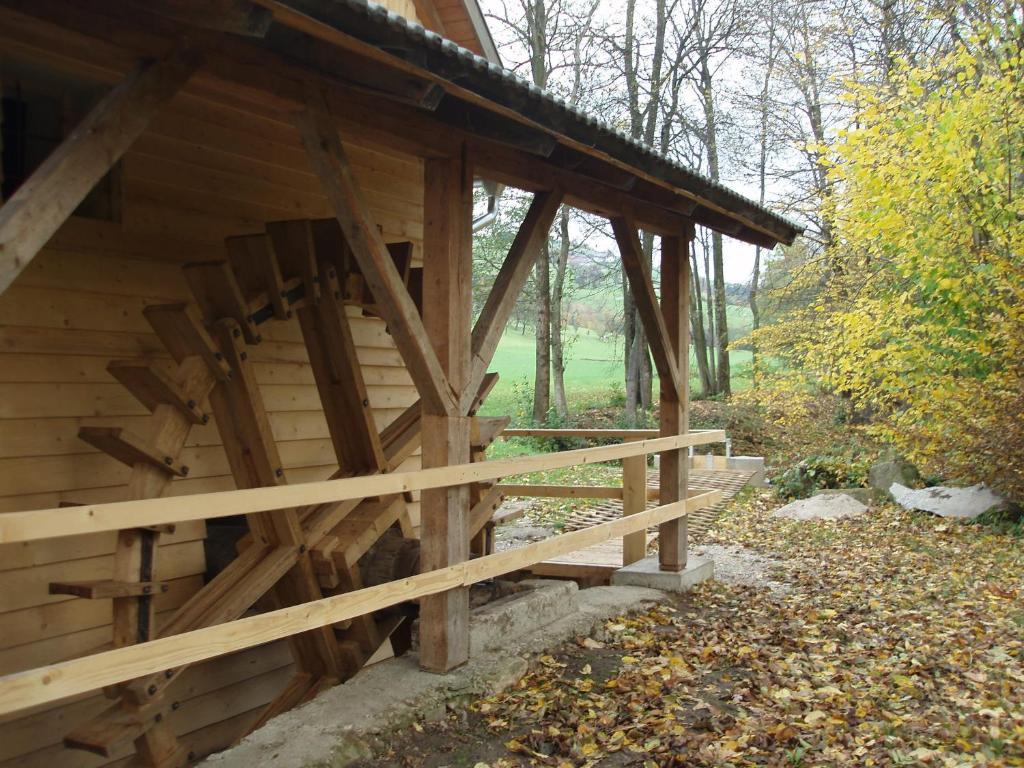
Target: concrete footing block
[647,573]
[535,604]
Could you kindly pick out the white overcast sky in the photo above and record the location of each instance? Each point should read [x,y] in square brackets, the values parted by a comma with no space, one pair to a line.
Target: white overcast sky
[739,256]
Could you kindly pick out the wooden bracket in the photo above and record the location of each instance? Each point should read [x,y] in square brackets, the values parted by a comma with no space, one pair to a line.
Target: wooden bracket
[214,286]
[181,330]
[130,449]
[106,589]
[152,387]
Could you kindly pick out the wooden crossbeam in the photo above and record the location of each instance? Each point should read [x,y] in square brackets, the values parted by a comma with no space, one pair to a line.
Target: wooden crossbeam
[639,277]
[330,162]
[31,688]
[44,202]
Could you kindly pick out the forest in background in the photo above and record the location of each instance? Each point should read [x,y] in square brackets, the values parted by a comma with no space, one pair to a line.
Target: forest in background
[893,130]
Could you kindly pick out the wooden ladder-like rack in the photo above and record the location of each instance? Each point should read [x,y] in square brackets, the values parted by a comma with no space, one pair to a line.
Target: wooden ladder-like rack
[299,269]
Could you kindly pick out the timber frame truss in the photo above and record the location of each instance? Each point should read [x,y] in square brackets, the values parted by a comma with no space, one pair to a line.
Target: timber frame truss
[311,271]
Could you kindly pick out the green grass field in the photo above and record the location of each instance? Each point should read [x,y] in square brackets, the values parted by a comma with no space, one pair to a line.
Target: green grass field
[594,369]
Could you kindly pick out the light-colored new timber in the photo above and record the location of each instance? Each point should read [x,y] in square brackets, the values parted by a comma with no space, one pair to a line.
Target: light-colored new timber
[38,686]
[42,524]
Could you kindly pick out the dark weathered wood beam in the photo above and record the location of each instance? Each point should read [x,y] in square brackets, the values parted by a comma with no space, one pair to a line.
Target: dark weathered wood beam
[512,276]
[43,203]
[639,277]
[674,410]
[330,162]
[477,121]
[239,17]
[447,308]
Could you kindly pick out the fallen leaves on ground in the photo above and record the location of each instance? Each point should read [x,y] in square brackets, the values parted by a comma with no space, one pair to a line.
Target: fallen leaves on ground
[900,643]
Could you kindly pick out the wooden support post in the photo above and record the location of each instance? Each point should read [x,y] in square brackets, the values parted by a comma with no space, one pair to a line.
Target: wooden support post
[44,202]
[634,500]
[447,273]
[675,403]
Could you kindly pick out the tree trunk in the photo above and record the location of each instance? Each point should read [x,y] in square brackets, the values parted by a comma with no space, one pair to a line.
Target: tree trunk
[557,292]
[711,336]
[542,374]
[721,318]
[700,341]
[630,377]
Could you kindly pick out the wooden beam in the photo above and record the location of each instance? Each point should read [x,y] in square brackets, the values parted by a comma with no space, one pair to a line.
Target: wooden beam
[43,203]
[674,410]
[238,17]
[512,276]
[112,516]
[447,307]
[31,688]
[339,380]
[626,435]
[330,163]
[561,491]
[639,276]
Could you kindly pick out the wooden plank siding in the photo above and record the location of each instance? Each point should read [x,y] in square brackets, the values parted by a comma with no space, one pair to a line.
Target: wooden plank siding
[204,170]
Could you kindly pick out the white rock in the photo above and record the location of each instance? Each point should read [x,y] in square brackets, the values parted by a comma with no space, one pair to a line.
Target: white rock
[827,506]
[963,503]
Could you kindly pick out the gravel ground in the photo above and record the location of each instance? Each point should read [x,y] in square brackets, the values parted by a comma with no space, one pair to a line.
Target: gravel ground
[736,565]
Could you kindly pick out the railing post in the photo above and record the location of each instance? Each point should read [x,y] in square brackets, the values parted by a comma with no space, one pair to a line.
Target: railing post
[675,406]
[634,500]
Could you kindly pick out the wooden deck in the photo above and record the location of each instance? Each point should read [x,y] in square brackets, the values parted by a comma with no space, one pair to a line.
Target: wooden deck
[597,563]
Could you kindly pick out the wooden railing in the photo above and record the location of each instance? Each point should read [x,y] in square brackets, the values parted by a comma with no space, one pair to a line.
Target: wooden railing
[633,493]
[34,687]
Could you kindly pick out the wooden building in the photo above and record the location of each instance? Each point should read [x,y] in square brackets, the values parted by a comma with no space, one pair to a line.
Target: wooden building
[235,250]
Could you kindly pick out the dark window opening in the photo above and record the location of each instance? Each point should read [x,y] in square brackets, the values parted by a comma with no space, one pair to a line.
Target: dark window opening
[38,111]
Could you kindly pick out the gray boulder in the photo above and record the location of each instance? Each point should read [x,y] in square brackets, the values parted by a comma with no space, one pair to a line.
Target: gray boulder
[884,473]
[827,506]
[961,503]
[866,496]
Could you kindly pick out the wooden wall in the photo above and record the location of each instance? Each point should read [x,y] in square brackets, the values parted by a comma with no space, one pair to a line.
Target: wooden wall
[205,169]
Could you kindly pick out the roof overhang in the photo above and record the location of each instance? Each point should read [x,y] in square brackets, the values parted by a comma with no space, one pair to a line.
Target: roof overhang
[423,95]
[481,98]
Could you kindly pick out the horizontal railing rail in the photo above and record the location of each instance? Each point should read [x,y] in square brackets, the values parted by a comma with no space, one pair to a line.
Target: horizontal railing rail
[34,687]
[626,435]
[53,682]
[113,516]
